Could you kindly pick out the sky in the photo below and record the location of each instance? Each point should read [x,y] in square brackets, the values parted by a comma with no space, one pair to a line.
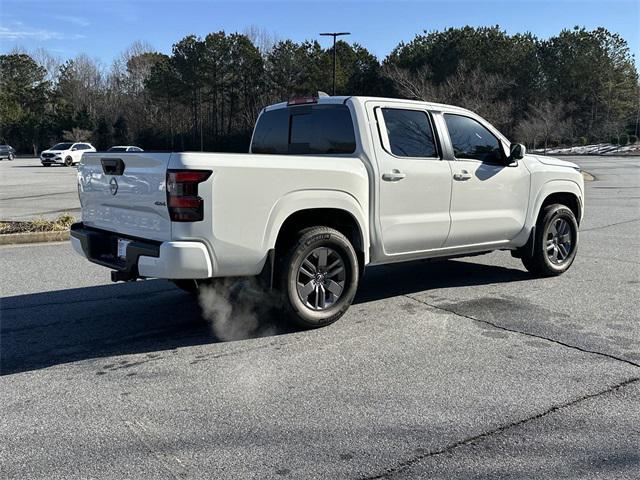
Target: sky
[103,29]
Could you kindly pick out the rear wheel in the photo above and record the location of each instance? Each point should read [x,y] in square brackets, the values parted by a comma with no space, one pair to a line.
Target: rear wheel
[10,157]
[68,162]
[318,277]
[555,243]
[46,164]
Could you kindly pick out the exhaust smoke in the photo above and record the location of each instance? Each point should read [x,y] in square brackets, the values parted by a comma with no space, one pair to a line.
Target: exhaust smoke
[238,309]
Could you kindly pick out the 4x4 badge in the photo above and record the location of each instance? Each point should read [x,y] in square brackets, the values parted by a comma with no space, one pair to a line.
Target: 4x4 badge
[113,186]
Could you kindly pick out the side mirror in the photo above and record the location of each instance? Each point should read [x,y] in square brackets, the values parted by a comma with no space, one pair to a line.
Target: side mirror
[74,149]
[518,151]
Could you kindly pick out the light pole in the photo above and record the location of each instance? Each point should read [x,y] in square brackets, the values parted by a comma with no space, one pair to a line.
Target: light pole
[334,35]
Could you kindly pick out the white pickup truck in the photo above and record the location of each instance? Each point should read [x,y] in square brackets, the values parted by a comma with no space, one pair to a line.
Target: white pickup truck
[330,186]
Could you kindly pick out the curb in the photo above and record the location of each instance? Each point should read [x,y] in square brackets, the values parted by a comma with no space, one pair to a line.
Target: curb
[33,237]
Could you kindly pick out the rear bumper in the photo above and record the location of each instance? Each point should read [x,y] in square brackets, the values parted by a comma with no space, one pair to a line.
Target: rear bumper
[144,258]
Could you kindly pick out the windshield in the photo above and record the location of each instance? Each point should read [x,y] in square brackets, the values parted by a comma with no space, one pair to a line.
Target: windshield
[61,146]
[117,149]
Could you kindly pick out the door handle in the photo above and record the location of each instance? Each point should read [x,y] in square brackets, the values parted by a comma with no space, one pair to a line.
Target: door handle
[463,175]
[394,176]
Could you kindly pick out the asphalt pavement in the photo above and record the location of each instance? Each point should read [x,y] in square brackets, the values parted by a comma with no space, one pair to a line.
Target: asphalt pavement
[457,369]
[29,190]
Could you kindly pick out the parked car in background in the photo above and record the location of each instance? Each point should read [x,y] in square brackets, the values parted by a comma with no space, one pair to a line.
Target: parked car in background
[7,151]
[125,148]
[66,153]
[330,186]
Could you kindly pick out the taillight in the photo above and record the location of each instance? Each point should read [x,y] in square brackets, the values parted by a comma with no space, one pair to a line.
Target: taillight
[182,194]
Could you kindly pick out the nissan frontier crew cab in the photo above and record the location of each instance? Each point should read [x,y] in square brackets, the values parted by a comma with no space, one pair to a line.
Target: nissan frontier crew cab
[331,185]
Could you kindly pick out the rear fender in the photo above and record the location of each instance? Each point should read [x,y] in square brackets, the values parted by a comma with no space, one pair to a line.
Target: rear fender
[309,199]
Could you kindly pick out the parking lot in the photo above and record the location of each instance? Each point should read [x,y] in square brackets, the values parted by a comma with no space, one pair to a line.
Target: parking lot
[459,369]
[30,190]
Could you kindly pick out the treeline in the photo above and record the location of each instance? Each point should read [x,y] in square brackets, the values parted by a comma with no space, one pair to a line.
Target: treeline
[577,87]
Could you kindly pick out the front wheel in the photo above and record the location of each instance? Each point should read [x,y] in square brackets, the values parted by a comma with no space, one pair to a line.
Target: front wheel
[318,277]
[10,157]
[555,243]
[68,162]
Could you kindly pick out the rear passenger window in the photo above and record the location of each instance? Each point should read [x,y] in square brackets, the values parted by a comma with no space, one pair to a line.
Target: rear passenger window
[315,129]
[272,132]
[410,133]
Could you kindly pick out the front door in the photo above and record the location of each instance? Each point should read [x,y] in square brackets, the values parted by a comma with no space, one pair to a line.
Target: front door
[414,183]
[489,198]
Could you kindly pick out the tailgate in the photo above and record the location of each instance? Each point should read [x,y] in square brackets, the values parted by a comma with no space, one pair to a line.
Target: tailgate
[125,193]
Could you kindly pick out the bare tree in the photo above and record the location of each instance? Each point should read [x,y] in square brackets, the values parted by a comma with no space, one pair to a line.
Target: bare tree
[263,39]
[76,135]
[546,122]
[473,89]
[414,85]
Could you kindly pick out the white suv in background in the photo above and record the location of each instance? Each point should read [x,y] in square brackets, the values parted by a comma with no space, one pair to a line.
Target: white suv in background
[66,153]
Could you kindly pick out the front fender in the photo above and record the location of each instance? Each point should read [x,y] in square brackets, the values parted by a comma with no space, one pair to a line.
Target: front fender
[309,199]
[548,188]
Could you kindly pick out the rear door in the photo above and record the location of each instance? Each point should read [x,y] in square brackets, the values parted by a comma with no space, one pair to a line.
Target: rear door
[125,193]
[414,183]
[489,197]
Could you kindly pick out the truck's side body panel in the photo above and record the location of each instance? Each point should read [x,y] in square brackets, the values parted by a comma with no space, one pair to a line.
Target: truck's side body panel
[249,196]
[546,180]
[491,205]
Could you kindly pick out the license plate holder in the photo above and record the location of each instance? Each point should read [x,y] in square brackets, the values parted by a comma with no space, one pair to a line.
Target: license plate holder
[122,248]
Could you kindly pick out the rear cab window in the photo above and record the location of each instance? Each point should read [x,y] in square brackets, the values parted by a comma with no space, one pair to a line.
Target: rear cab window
[318,129]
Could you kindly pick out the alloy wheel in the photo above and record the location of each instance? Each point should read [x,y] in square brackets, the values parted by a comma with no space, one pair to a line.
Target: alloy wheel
[559,241]
[321,278]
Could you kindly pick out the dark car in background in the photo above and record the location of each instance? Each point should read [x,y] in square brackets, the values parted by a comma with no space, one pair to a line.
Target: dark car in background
[7,151]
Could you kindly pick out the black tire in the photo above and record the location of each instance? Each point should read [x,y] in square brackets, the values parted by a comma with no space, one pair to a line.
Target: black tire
[540,261]
[46,164]
[68,162]
[10,157]
[310,243]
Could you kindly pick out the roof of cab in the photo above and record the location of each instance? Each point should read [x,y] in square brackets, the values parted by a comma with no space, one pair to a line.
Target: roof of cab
[362,100]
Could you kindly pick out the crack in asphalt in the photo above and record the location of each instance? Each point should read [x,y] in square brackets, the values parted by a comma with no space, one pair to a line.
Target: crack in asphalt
[610,259]
[404,465]
[418,458]
[528,334]
[610,225]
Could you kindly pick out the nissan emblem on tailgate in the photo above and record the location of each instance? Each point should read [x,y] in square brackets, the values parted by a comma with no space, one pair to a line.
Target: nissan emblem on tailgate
[113,186]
